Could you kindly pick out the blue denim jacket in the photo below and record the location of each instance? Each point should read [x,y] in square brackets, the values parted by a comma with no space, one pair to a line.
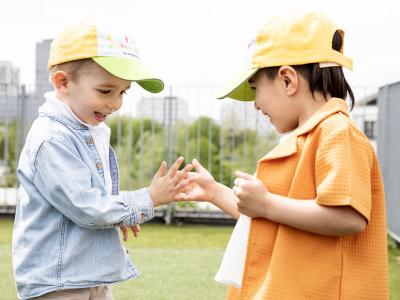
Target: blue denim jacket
[66,231]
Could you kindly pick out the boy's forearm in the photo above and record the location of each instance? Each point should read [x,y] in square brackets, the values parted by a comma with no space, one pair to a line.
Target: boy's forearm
[309,216]
[225,199]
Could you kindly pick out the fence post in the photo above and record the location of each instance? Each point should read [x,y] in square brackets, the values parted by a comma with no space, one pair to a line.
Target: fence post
[169,212]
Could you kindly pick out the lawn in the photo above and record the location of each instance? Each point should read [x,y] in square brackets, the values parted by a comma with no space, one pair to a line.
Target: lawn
[176,262]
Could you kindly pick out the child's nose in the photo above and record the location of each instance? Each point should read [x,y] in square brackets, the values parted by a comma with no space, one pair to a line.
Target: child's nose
[114,104]
[256,106]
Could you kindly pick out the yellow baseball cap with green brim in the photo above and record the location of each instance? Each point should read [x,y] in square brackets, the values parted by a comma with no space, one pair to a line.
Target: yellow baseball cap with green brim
[239,88]
[108,46]
[295,39]
[130,69]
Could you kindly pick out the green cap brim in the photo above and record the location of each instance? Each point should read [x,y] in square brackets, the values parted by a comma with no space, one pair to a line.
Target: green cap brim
[239,88]
[130,69]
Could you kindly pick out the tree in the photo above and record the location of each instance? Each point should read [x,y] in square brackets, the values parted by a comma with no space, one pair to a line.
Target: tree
[142,148]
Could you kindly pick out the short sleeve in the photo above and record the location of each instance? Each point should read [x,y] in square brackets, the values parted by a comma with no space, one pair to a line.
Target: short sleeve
[343,170]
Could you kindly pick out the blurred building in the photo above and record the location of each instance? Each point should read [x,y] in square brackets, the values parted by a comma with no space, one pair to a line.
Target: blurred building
[365,116]
[9,79]
[377,115]
[42,84]
[243,115]
[16,104]
[9,85]
[388,106]
[14,100]
[162,108]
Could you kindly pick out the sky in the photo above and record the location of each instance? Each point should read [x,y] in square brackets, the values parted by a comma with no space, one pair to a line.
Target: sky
[205,42]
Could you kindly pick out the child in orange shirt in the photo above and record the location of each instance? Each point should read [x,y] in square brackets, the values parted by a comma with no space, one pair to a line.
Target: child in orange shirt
[316,202]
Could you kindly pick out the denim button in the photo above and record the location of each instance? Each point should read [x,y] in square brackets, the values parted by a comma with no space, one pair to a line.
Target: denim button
[98,165]
[89,140]
[142,217]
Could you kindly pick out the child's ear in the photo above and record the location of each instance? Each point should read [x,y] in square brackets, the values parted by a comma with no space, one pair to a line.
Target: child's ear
[60,81]
[289,79]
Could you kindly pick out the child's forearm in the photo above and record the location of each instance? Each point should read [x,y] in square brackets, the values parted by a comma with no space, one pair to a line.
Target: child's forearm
[309,216]
[225,199]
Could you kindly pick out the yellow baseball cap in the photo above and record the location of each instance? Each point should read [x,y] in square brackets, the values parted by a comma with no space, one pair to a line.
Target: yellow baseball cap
[116,52]
[296,39]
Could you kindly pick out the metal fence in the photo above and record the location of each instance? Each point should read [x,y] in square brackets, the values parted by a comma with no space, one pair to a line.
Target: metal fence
[389,152]
[149,128]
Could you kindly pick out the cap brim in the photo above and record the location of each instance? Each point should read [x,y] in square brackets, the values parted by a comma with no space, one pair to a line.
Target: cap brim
[130,69]
[239,88]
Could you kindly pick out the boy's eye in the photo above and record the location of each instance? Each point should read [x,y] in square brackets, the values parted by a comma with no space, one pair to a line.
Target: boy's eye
[123,92]
[253,88]
[104,91]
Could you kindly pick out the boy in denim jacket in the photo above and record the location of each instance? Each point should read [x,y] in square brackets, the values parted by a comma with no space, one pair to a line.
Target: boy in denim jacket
[66,239]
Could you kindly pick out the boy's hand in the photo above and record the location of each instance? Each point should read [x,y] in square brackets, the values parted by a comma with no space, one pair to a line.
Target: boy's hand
[201,188]
[166,185]
[252,195]
[135,229]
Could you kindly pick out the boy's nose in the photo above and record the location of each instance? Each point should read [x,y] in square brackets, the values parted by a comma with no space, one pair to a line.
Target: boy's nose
[114,104]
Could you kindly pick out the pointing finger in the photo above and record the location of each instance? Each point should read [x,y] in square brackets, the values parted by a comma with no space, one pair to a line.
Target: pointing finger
[175,167]
[244,175]
[197,166]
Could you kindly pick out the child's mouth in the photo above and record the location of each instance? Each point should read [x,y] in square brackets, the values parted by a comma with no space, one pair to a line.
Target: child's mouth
[268,117]
[99,116]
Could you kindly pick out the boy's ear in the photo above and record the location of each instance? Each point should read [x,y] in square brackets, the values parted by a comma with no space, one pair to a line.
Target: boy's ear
[289,79]
[60,81]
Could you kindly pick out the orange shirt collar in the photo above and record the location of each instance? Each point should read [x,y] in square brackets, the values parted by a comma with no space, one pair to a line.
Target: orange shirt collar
[331,107]
[289,146]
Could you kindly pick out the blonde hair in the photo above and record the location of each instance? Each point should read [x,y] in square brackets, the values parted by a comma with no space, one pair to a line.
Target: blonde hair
[72,68]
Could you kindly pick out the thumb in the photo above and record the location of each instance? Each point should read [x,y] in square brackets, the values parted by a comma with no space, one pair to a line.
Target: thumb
[161,171]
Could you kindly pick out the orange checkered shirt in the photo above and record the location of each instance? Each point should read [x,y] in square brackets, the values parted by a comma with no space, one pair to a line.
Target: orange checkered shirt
[330,160]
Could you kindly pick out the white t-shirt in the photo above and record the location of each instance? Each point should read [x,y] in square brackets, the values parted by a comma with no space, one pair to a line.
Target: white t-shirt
[231,269]
[100,133]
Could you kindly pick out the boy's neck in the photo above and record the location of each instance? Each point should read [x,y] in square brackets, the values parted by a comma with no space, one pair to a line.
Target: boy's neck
[61,97]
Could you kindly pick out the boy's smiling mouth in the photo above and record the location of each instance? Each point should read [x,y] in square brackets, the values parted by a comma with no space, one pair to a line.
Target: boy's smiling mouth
[99,116]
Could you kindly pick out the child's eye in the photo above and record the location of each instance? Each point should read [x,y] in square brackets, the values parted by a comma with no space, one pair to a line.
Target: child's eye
[104,91]
[253,88]
[123,92]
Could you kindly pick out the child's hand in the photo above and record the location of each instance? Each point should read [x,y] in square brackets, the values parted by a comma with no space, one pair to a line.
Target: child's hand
[135,229]
[252,195]
[165,186]
[201,188]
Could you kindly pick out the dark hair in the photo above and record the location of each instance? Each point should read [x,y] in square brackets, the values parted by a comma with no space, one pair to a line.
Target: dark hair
[329,80]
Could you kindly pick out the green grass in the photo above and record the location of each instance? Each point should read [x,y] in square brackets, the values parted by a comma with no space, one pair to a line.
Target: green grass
[176,262]
[394,271]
